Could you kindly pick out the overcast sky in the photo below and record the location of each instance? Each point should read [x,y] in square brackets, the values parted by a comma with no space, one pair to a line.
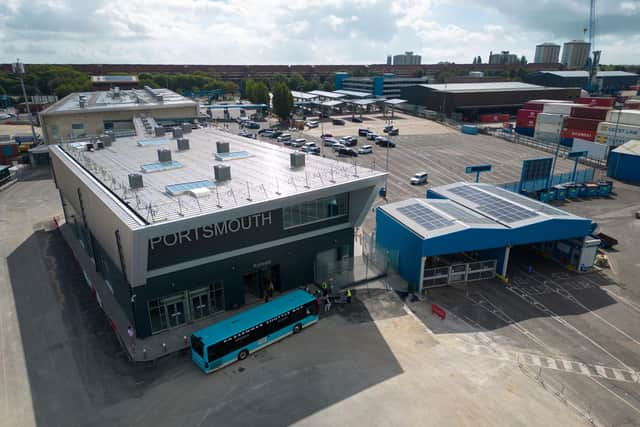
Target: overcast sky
[304,32]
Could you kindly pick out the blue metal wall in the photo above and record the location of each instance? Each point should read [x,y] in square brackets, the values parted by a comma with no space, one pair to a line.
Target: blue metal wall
[392,235]
[378,85]
[339,79]
[625,167]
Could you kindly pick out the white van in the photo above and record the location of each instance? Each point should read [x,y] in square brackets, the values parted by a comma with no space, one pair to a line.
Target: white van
[284,137]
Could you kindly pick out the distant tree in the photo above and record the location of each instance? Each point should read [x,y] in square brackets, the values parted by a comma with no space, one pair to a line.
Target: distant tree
[328,86]
[479,61]
[475,60]
[419,73]
[523,60]
[282,101]
[261,93]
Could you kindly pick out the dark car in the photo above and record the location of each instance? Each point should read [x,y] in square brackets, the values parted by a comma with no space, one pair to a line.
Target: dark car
[387,128]
[356,120]
[363,131]
[275,134]
[346,151]
[384,142]
[265,130]
[251,125]
[393,132]
[338,122]
[326,135]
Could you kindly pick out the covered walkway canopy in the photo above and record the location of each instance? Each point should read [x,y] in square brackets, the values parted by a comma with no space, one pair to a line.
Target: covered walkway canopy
[470,217]
[353,93]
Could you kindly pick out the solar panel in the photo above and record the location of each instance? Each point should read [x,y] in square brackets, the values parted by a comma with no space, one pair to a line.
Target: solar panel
[493,206]
[462,214]
[425,217]
[160,166]
[234,155]
[146,142]
[525,201]
[177,189]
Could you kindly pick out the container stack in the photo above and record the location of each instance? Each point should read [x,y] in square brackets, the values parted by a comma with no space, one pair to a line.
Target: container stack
[620,126]
[527,115]
[494,118]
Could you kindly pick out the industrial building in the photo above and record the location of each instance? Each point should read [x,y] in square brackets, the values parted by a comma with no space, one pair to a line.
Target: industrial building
[387,85]
[196,224]
[108,82]
[92,113]
[469,100]
[609,81]
[408,58]
[503,57]
[575,54]
[464,232]
[547,53]
[624,162]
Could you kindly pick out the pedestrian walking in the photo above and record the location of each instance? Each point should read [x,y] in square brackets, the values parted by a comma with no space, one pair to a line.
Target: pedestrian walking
[270,289]
[325,288]
[327,303]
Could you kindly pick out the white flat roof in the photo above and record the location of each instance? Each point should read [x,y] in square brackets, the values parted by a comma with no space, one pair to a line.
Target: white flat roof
[260,172]
[302,95]
[355,93]
[485,87]
[326,94]
[112,100]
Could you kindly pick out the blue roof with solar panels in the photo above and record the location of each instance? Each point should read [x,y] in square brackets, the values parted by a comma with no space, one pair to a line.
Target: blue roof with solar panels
[464,217]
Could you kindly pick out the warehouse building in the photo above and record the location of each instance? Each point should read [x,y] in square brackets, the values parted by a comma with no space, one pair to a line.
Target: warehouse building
[624,162]
[92,113]
[109,82]
[469,100]
[609,82]
[197,225]
[464,232]
[387,85]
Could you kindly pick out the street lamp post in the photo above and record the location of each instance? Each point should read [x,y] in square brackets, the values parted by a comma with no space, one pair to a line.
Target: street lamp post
[18,68]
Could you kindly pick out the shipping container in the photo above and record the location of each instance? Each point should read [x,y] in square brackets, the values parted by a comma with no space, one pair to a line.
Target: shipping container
[567,142]
[632,104]
[527,131]
[617,129]
[533,106]
[597,101]
[580,123]
[557,108]
[594,113]
[545,136]
[627,117]
[494,118]
[624,162]
[588,135]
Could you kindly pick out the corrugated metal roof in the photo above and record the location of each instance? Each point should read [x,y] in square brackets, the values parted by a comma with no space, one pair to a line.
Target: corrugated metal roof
[302,95]
[354,93]
[577,73]
[395,101]
[631,147]
[325,94]
[616,74]
[484,87]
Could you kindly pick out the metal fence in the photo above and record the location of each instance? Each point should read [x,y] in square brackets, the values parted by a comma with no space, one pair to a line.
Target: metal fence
[582,175]
[459,273]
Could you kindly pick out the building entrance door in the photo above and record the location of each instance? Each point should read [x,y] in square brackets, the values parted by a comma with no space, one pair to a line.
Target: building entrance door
[200,305]
[174,309]
[257,282]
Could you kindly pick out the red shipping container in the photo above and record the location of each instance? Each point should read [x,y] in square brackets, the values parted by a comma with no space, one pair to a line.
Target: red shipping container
[526,114]
[580,123]
[597,102]
[535,106]
[632,105]
[588,135]
[494,118]
[593,113]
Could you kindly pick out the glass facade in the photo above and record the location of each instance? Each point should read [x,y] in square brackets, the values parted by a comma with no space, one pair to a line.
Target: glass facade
[179,308]
[316,210]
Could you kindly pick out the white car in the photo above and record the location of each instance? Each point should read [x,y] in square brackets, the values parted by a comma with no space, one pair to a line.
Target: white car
[419,178]
[284,137]
[365,149]
[337,146]
[312,124]
[298,142]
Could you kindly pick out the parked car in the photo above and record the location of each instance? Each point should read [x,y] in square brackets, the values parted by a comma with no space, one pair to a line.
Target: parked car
[384,142]
[419,178]
[393,132]
[365,149]
[363,131]
[356,120]
[372,136]
[251,125]
[265,131]
[275,134]
[312,124]
[346,151]
[330,141]
[387,128]
[338,122]
[349,141]
[298,142]
[311,148]
[284,137]
[337,146]
[326,135]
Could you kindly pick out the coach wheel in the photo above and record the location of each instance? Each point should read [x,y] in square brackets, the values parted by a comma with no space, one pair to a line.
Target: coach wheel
[243,354]
[297,328]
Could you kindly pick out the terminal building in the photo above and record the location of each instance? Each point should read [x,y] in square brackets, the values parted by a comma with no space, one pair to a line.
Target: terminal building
[464,232]
[387,85]
[91,113]
[469,100]
[197,224]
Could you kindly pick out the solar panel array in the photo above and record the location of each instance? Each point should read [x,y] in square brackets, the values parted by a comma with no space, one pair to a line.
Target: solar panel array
[525,201]
[462,214]
[147,142]
[233,155]
[493,206]
[177,189]
[424,216]
[160,166]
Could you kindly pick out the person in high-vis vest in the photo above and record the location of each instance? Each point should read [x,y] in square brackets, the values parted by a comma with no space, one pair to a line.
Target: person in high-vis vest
[348,296]
[325,288]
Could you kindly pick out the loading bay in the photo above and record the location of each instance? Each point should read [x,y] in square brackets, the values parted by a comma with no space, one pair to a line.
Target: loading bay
[553,348]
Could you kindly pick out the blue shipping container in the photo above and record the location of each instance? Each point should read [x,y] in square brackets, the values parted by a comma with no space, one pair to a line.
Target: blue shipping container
[525,131]
[567,142]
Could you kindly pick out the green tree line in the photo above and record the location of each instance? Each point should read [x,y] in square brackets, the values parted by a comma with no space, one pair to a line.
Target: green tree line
[45,80]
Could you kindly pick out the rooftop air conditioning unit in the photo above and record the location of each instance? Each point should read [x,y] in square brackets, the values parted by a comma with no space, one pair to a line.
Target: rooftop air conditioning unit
[222,147]
[297,159]
[164,155]
[186,127]
[135,180]
[183,144]
[177,132]
[159,131]
[222,172]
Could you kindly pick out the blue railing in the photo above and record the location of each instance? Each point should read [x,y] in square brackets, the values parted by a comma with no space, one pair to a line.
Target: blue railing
[582,175]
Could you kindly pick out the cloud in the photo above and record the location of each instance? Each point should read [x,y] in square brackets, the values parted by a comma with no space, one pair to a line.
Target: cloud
[300,31]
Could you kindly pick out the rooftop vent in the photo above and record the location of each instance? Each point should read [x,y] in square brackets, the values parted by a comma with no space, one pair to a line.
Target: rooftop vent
[177,132]
[164,155]
[158,131]
[135,180]
[222,172]
[222,147]
[297,159]
[82,102]
[183,144]
[186,128]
